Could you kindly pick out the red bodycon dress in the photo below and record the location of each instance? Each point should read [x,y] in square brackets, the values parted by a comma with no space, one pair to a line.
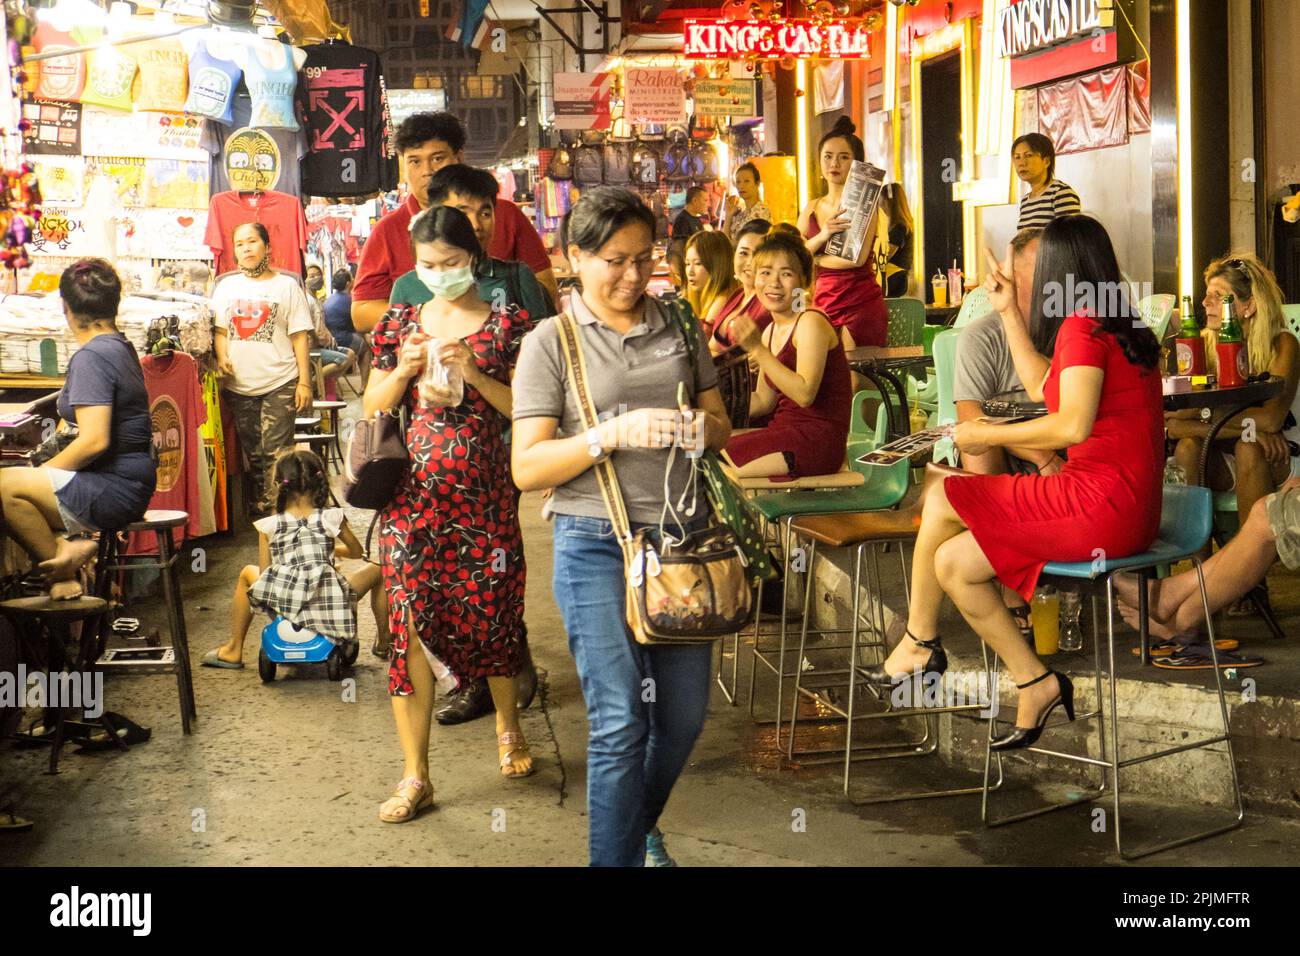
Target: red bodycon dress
[851,298]
[1106,498]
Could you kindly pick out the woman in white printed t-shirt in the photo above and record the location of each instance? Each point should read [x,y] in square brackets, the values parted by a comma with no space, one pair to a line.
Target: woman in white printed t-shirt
[263,323]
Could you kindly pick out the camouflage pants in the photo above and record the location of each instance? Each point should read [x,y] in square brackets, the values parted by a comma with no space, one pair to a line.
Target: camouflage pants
[265,427]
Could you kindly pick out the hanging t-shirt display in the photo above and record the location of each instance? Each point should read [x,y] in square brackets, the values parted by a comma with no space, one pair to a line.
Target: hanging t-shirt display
[164,77]
[271,75]
[347,139]
[214,79]
[110,73]
[280,213]
[177,409]
[290,144]
[62,77]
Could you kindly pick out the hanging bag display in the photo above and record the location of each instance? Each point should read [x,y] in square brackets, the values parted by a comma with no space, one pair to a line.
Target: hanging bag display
[686,590]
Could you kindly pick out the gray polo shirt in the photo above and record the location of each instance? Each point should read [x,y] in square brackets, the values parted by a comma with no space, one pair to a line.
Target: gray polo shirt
[625,372]
[985,369]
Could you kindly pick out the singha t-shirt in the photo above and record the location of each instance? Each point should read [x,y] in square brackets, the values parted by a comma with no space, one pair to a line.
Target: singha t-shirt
[259,316]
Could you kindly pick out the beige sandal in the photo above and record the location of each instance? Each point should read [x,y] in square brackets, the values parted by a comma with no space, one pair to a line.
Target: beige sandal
[516,744]
[399,807]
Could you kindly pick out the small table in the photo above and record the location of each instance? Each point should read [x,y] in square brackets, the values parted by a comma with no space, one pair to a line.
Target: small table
[941,314]
[1228,403]
[883,364]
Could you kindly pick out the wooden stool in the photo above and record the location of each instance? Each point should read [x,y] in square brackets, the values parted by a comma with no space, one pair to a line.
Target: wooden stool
[162,525]
[39,624]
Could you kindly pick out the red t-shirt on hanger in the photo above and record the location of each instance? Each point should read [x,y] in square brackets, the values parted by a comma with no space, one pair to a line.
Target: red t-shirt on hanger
[281,214]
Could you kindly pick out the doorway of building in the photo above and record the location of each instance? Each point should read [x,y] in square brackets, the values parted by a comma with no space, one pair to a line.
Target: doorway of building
[941,163]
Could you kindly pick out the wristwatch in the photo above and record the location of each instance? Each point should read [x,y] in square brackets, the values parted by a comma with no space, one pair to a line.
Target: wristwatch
[594,448]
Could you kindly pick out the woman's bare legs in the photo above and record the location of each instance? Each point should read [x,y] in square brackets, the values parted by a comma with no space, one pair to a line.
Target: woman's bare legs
[366,579]
[764,466]
[31,516]
[414,714]
[939,523]
[505,696]
[970,581]
[1229,573]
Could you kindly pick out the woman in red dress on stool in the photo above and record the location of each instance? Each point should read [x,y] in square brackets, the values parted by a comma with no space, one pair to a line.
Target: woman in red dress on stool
[846,289]
[804,377]
[1102,389]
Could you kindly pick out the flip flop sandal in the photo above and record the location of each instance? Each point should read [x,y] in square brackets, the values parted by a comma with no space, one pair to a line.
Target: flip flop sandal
[36,735]
[399,801]
[1165,650]
[128,731]
[210,659]
[126,625]
[1194,660]
[11,823]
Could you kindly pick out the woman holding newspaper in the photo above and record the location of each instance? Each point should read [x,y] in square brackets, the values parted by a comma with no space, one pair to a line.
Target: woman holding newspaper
[1102,389]
[845,289]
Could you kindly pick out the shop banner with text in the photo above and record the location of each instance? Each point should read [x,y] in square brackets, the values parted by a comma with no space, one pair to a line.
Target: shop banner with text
[654,96]
[581,100]
[735,98]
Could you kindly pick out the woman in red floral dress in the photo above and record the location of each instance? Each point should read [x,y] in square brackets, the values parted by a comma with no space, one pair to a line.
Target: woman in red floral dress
[452,552]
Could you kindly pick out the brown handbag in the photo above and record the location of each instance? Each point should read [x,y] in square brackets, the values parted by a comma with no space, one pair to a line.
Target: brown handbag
[377,460]
[678,592]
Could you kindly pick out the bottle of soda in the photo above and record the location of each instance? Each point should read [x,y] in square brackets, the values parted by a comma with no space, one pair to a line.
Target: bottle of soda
[1189,346]
[1234,366]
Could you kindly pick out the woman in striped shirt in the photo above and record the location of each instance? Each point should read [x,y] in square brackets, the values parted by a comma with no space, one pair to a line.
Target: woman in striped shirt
[1034,159]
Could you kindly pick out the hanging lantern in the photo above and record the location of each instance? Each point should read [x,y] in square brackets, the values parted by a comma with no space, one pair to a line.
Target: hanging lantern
[823,10]
[787,62]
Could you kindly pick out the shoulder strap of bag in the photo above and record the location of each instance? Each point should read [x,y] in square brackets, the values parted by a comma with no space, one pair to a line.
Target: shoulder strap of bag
[606,477]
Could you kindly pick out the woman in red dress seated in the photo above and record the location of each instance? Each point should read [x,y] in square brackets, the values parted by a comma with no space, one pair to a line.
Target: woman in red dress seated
[1102,389]
[745,300]
[804,376]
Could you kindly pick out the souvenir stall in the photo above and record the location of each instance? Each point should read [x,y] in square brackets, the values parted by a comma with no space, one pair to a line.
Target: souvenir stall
[656,123]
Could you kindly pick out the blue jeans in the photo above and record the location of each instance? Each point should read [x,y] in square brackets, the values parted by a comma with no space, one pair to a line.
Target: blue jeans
[645,704]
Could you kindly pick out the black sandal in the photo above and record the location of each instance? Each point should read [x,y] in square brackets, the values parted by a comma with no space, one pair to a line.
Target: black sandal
[934,666]
[1021,615]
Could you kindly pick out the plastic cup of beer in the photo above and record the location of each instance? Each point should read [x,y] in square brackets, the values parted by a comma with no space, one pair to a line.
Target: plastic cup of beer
[1045,613]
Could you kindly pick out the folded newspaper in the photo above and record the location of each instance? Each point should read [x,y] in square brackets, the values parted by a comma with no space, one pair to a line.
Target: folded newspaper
[859,201]
[923,440]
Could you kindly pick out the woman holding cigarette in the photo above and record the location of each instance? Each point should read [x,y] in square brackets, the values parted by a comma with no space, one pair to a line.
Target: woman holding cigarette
[845,289]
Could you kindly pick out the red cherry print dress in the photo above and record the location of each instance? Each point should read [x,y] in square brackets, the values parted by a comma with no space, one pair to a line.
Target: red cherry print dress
[452,551]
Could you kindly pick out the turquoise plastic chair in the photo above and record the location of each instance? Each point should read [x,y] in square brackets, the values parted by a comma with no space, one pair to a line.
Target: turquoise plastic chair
[1185,524]
[1291,313]
[975,305]
[945,366]
[1156,311]
[859,430]
[906,322]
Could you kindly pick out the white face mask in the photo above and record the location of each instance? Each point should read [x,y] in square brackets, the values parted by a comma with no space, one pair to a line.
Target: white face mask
[447,284]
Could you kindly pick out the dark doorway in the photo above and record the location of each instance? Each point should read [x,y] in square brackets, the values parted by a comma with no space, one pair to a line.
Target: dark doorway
[941,163]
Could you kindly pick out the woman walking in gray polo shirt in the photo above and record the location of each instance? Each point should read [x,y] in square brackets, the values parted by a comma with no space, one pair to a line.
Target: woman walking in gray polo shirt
[645,704]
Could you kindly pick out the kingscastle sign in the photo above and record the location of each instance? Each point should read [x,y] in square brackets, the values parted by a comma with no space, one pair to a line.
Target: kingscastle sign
[773,39]
[1050,39]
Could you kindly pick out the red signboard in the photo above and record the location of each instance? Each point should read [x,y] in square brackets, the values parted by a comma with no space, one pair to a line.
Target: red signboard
[1052,39]
[773,39]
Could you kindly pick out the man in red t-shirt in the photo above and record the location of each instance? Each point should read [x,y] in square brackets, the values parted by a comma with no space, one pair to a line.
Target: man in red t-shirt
[426,142]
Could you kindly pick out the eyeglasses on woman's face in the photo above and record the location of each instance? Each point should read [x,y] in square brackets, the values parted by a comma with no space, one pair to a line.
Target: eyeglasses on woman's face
[620,264]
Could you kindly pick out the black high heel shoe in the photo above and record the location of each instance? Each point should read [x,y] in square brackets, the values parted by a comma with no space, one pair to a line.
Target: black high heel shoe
[1022,737]
[934,666]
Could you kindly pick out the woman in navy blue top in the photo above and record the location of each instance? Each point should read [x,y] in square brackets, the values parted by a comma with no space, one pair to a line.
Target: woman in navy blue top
[103,479]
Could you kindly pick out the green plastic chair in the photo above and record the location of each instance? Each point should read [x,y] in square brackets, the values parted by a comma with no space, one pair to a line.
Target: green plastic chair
[1291,313]
[975,305]
[1156,311]
[945,367]
[906,322]
[859,430]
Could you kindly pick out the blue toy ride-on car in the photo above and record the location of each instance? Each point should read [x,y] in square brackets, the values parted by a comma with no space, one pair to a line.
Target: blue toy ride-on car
[284,642]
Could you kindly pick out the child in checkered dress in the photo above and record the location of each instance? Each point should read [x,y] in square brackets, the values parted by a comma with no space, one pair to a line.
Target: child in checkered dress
[296,577]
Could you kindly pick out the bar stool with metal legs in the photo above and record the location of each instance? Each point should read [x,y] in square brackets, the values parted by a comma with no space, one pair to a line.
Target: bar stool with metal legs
[881,489]
[868,534]
[162,525]
[333,451]
[1185,523]
[774,509]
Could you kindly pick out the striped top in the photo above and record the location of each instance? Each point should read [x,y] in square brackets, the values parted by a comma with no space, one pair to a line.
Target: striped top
[1057,199]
